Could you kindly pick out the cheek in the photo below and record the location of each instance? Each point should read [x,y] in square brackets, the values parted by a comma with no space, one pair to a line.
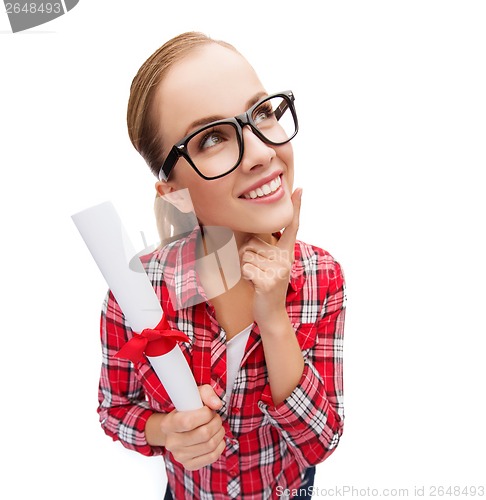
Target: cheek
[286,155]
[186,178]
[204,203]
[207,196]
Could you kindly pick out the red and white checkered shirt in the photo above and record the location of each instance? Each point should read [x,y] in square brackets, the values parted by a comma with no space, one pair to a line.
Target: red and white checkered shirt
[266,445]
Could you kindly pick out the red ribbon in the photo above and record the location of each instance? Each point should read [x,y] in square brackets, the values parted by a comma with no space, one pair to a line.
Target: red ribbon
[151,341]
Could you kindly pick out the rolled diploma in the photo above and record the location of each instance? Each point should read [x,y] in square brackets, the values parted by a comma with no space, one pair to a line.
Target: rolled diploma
[109,244]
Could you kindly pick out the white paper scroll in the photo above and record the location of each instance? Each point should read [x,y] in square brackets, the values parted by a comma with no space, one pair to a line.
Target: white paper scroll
[109,244]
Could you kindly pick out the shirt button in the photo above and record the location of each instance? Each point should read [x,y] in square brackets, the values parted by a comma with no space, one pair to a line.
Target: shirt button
[235,410]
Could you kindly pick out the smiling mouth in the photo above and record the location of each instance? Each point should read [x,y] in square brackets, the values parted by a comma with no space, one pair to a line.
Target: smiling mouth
[264,190]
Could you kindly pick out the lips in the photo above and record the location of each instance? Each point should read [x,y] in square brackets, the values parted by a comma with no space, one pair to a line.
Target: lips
[263,187]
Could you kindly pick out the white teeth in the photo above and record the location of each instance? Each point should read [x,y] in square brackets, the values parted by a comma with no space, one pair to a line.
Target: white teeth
[264,190]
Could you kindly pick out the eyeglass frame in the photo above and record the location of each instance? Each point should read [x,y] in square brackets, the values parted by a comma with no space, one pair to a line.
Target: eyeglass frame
[237,122]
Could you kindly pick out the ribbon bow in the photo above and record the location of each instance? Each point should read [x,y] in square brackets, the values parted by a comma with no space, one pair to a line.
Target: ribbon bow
[151,341]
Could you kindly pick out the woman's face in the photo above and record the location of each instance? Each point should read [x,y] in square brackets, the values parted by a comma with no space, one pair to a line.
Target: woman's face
[212,83]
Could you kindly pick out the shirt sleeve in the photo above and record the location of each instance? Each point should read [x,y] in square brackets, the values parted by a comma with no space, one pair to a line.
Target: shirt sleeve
[311,418]
[123,408]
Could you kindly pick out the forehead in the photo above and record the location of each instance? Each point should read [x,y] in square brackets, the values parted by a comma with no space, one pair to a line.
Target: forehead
[211,80]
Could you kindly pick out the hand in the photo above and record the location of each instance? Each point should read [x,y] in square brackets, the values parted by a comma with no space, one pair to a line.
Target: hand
[196,438]
[268,267]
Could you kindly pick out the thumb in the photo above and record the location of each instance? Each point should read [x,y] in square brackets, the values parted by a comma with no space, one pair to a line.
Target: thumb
[209,397]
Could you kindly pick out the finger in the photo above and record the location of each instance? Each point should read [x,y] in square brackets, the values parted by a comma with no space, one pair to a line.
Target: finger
[251,272]
[186,421]
[209,397]
[258,260]
[204,446]
[287,240]
[185,454]
[202,434]
[207,459]
[258,246]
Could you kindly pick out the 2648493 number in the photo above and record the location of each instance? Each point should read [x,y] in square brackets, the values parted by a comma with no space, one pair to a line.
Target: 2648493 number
[456,491]
[33,8]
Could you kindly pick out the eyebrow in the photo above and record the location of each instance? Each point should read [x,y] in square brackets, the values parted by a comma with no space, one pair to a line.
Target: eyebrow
[213,118]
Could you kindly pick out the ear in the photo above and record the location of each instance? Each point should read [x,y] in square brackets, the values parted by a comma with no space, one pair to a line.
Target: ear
[179,198]
[163,188]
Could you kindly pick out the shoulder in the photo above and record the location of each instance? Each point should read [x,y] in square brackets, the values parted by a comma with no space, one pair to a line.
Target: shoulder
[321,280]
[312,260]
[160,266]
[165,260]
[172,271]
[316,281]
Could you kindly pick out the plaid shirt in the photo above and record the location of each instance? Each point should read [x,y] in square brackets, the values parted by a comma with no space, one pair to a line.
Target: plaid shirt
[266,445]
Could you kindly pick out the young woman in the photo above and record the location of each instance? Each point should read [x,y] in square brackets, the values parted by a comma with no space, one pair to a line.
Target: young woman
[267,353]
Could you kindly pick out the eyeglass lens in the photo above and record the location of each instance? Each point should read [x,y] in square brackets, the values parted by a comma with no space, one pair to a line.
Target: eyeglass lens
[216,150]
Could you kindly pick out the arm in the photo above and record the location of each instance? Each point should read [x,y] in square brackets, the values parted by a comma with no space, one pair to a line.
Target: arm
[194,438]
[280,343]
[268,267]
[123,409]
[303,398]
[311,418]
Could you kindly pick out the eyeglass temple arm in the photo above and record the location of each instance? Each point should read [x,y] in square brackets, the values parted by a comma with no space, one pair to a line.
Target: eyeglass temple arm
[283,106]
[169,163]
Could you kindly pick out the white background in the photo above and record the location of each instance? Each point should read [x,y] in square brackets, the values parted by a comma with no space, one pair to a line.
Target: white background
[391,155]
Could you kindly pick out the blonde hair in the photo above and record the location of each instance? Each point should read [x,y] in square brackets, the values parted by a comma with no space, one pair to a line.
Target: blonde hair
[141,118]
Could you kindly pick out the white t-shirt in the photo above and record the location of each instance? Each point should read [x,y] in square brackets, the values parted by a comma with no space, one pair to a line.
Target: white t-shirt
[235,350]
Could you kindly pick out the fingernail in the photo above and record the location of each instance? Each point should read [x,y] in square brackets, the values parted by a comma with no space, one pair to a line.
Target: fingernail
[216,401]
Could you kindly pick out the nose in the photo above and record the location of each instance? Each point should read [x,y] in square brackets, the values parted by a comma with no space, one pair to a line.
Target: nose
[256,153]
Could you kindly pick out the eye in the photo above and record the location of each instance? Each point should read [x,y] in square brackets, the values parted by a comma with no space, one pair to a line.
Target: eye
[263,112]
[210,140]
[212,137]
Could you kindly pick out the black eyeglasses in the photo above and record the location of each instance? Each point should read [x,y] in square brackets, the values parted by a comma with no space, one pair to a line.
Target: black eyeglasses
[216,149]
